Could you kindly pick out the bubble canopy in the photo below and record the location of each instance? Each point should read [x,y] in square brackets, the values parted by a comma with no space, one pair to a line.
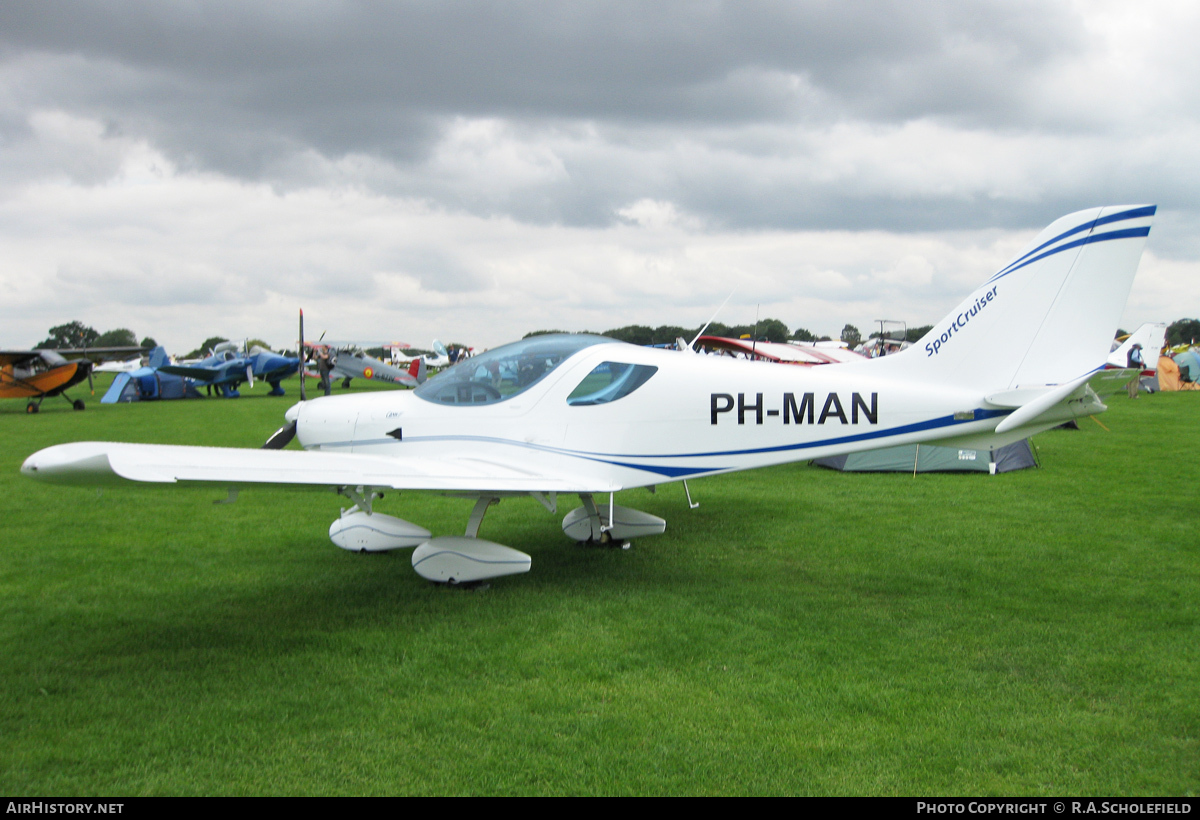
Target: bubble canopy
[504,372]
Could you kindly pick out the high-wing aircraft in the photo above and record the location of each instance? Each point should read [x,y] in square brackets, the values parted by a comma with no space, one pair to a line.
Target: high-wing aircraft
[805,355]
[228,367]
[37,374]
[587,415]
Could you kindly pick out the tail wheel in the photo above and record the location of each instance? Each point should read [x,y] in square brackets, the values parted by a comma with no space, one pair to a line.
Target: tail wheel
[77,404]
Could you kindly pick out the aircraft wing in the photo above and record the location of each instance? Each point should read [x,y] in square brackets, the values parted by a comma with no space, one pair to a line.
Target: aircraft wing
[98,462]
[100,352]
[206,374]
[771,351]
[276,373]
[16,358]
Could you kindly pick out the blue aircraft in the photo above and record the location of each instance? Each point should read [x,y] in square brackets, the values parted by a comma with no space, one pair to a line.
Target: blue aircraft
[228,367]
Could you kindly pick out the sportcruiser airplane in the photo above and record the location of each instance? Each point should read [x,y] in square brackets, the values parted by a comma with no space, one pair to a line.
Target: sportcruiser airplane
[587,415]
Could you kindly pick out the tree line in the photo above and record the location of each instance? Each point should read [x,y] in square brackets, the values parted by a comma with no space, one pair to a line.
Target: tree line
[78,335]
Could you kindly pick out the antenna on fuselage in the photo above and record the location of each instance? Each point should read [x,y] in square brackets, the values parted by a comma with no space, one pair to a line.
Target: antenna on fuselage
[692,346]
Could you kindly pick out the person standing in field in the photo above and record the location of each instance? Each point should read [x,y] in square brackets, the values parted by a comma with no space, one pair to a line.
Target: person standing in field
[1135,359]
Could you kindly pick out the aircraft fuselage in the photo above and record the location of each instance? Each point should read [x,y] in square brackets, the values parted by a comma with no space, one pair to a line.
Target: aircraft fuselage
[696,415]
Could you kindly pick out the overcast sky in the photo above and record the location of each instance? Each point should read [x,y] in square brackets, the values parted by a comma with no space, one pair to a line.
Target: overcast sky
[474,171]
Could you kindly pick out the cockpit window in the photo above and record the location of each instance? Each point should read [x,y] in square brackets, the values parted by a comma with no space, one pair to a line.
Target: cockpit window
[505,372]
[610,381]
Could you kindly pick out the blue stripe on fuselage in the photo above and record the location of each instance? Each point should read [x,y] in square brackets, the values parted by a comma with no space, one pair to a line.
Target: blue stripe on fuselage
[617,459]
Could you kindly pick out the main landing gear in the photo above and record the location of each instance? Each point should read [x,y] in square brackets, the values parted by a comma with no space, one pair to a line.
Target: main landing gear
[35,405]
[467,559]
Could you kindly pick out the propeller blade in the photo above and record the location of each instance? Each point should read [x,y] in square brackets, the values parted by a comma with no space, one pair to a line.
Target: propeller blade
[91,386]
[302,396]
[250,374]
[281,437]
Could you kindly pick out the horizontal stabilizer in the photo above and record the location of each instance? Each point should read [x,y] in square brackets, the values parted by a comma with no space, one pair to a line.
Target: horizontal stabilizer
[1028,412]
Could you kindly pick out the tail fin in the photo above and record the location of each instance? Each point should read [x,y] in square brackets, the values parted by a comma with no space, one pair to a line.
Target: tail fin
[158,357]
[416,369]
[1047,317]
[1151,336]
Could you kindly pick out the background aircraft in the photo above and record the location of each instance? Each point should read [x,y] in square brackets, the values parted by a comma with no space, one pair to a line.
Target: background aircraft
[228,367]
[439,358]
[352,362]
[36,374]
[588,415]
[780,353]
[119,366]
[1152,336]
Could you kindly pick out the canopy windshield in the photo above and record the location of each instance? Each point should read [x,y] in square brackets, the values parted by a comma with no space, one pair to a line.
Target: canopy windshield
[505,372]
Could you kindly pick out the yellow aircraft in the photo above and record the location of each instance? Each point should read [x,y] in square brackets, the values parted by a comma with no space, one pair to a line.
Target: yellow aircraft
[36,374]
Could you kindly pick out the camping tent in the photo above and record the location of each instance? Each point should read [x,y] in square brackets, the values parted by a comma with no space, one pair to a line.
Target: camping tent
[1169,377]
[929,458]
[145,384]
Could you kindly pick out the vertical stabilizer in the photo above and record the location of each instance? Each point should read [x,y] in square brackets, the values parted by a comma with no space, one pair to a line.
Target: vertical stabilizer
[1048,316]
[1151,336]
[158,357]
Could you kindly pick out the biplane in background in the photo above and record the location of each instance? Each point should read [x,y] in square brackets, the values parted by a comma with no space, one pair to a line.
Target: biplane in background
[37,374]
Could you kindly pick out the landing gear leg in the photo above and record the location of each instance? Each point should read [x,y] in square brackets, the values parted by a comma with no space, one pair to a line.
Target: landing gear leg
[593,514]
[477,514]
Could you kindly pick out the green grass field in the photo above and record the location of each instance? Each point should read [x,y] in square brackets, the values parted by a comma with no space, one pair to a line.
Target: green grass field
[801,632]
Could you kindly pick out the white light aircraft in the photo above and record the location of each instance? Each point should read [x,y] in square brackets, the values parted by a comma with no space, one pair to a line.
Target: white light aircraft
[116,366]
[586,415]
[1151,336]
[440,357]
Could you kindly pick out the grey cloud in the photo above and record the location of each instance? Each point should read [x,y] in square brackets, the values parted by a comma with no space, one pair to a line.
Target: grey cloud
[705,104]
[377,69]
